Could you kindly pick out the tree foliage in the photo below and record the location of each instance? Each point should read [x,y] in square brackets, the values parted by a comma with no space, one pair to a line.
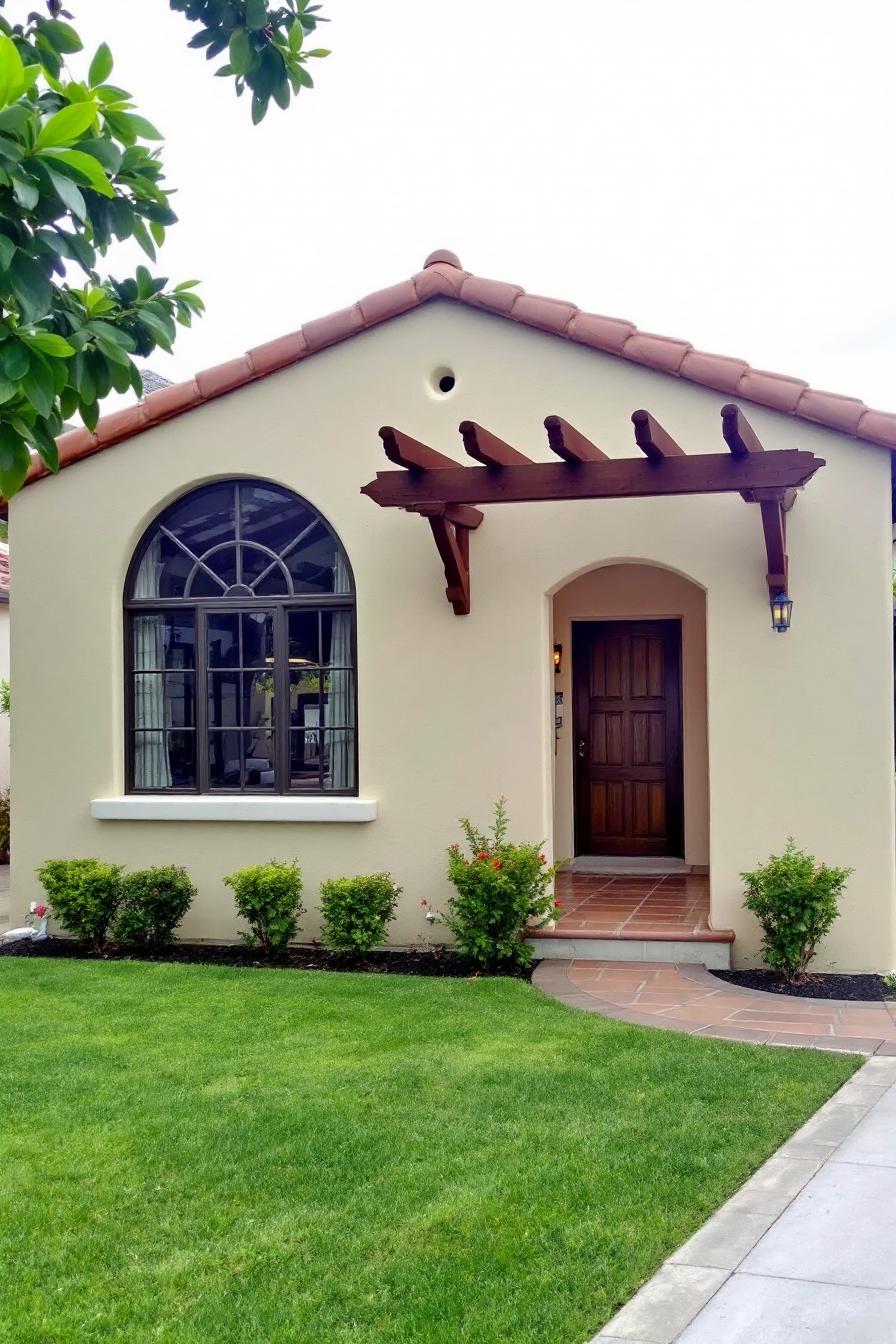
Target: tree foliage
[79,171]
[265,45]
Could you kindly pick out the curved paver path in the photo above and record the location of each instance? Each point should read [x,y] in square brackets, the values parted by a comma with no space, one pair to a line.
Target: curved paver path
[690,999]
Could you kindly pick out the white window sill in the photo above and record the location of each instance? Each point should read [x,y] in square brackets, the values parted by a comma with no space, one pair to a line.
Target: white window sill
[158,807]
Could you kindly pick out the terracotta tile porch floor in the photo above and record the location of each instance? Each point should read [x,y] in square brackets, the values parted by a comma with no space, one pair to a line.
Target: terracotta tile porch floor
[593,905]
[690,999]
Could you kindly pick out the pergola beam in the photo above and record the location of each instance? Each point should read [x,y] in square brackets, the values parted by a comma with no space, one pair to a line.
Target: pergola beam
[411,453]
[738,433]
[652,439]
[487,448]
[567,442]
[616,478]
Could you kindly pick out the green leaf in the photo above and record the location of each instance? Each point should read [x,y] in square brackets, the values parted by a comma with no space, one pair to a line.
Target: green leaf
[143,127]
[65,126]
[7,249]
[11,71]
[46,445]
[32,289]
[14,360]
[282,94]
[242,54]
[259,109]
[69,194]
[14,118]
[8,390]
[87,166]
[61,37]
[15,460]
[39,387]
[100,66]
[142,235]
[48,343]
[257,15]
[25,190]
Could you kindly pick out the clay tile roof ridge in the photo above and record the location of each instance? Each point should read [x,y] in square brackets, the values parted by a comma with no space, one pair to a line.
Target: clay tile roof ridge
[443,277]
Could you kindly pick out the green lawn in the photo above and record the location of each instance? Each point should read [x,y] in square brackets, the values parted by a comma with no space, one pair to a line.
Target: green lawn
[200,1155]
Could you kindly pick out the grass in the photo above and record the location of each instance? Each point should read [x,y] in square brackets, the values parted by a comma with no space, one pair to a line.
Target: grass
[194,1155]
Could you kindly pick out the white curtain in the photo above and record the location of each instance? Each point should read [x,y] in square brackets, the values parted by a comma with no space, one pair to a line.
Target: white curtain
[152,769]
[340,702]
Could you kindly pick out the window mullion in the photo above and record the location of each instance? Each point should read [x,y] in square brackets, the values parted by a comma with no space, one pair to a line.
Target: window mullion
[202,699]
[281,700]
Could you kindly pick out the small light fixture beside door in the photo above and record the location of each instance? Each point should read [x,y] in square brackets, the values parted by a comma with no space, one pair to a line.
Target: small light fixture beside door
[781,607]
[558,658]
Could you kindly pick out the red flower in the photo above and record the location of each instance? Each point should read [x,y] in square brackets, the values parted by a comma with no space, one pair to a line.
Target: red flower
[40,911]
[484,855]
[424,902]
[542,859]
[557,904]
[496,863]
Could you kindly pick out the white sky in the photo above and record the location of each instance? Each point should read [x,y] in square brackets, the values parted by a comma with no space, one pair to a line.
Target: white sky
[722,172]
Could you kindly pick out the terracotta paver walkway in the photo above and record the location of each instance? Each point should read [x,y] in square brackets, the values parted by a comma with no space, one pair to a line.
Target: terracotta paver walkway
[690,999]
[676,906]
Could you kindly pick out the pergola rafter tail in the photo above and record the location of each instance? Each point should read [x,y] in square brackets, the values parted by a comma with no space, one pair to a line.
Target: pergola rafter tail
[447,493]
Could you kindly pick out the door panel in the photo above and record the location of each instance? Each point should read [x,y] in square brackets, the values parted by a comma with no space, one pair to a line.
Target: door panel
[627,691]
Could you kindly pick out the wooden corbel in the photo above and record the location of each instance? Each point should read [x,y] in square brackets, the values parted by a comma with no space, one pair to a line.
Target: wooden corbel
[451,525]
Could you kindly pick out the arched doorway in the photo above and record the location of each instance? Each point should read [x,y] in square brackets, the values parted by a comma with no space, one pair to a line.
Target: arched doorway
[631,766]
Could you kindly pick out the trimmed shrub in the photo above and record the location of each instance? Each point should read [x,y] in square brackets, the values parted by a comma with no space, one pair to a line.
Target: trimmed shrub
[153,902]
[356,911]
[269,898]
[796,901]
[85,895]
[501,889]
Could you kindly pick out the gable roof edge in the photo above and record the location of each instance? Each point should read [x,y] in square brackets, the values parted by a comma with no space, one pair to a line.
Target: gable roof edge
[443,277]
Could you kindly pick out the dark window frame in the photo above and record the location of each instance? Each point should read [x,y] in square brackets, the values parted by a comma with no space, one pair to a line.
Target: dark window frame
[201,608]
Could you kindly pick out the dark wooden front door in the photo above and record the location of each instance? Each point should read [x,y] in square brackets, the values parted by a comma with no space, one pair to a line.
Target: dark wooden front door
[627,737]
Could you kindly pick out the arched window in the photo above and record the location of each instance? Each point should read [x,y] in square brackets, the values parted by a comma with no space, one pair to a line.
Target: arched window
[240,615]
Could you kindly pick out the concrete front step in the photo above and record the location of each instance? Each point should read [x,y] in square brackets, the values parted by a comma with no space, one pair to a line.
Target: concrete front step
[623,866]
[713,952]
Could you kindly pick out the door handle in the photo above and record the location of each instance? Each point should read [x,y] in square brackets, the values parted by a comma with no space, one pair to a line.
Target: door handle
[580,748]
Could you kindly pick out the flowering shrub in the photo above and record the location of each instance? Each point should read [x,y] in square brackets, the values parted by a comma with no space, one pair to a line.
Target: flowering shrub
[153,902]
[85,895]
[500,889]
[356,911]
[795,900]
[269,898]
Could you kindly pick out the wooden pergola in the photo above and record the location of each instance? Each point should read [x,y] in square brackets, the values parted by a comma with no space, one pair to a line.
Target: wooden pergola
[446,493]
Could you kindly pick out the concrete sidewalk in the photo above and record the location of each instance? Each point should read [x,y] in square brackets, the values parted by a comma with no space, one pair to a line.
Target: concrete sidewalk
[804,1253]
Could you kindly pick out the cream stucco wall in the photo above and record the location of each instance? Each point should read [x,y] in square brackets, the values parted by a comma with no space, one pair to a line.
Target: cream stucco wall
[626,592]
[454,711]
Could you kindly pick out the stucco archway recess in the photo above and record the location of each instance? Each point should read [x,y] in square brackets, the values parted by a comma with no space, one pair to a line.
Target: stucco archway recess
[638,590]
[444,492]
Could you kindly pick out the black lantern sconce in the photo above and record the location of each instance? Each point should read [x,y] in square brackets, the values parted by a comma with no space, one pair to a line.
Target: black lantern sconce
[558,658]
[781,608]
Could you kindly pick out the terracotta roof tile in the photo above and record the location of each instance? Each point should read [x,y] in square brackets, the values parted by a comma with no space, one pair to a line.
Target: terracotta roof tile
[657,352]
[386,303]
[279,353]
[171,400]
[601,333]
[878,427]
[771,389]
[496,295]
[827,408]
[225,377]
[718,371]
[443,277]
[548,314]
[324,331]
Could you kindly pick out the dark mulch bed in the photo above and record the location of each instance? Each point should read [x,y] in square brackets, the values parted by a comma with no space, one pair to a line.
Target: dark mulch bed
[425,961]
[870,988]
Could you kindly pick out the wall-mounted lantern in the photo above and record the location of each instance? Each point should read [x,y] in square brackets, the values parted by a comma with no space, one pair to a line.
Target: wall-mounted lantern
[558,657]
[781,607]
